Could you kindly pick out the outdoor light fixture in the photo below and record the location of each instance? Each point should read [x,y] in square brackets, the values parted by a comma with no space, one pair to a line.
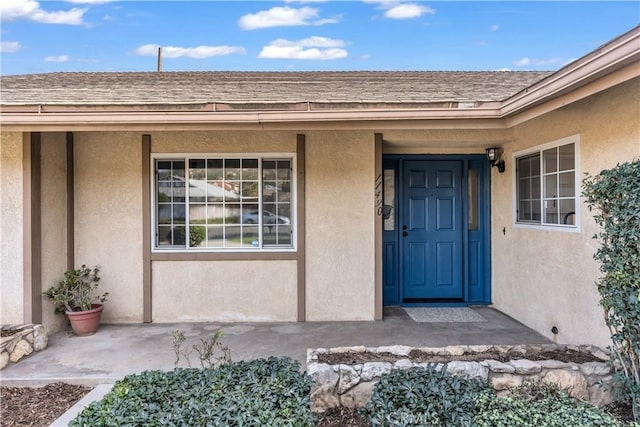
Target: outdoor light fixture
[493,155]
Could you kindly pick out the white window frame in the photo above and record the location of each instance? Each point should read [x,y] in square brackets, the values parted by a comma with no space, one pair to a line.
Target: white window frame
[570,228]
[188,156]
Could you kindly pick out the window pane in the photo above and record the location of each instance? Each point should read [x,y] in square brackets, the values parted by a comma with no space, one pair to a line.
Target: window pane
[164,236]
[567,157]
[197,235]
[250,236]
[535,187]
[215,214]
[197,187]
[284,213]
[389,198]
[269,169]
[215,191]
[178,169]
[250,214]
[535,165]
[232,213]
[536,216]
[567,212]
[550,159]
[473,218]
[249,169]
[524,190]
[215,169]
[567,184]
[284,235]
[249,191]
[550,212]
[179,236]
[284,170]
[197,213]
[524,167]
[232,169]
[524,211]
[179,213]
[215,237]
[232,237]
[164,214]
[551,186]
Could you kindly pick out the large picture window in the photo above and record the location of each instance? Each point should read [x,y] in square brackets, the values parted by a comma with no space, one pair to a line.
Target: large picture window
[547,185]
[223,203]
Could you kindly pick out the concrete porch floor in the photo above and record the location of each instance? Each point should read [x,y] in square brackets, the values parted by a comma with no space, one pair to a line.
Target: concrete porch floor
[119,350]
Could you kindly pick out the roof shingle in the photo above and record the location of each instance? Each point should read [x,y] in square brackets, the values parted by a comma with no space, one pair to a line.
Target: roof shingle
[367,87]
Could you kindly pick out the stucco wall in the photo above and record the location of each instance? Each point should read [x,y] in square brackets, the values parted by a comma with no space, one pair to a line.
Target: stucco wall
[340,217]
[11,228]
[546,278]
[54,221]
[108,217]
[225,291]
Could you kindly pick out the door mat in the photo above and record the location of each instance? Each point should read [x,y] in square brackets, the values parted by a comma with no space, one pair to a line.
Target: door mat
[443,314]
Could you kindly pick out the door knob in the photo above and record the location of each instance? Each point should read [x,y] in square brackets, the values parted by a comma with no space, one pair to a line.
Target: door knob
[405,234]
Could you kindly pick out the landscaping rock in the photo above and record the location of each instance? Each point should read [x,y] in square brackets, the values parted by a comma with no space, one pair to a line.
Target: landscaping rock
[403,364]
[505,382]
[21,349]
[358,396]
[348,378]
[373,370]
[572,381]
[323,398]
[468,369]
[323,374]
[498,367]
[525,367]
[595,368]
[4,359]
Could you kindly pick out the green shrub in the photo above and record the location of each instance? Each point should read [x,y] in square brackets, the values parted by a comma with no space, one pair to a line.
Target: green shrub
[263,392]
[614,195]
[424,397]
[535,405]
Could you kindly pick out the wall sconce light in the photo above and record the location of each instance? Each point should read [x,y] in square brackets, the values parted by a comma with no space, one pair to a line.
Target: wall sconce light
[493,155]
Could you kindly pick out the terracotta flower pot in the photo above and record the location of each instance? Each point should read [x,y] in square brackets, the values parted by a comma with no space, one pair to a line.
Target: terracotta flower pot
[85,323]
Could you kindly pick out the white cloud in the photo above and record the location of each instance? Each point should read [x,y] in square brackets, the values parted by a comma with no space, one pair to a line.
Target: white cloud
[495,27]
[283,17]
[395,9]
[197,52]
[408,11]
[31,10]
[312,48]
[9,47]
[61,58]
[526,62]
[480,43]
[366,56]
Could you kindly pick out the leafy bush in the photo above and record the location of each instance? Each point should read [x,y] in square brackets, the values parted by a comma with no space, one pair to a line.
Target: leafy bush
[263,392]
[538,405]
[614,195]
[424,397]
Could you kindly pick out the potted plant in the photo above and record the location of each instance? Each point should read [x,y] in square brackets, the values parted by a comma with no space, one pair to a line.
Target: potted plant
[76,296]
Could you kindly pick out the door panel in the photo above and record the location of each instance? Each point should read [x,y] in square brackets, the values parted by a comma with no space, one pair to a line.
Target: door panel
[432,246]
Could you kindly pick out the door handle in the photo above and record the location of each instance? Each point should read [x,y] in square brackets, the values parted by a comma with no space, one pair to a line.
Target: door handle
[405,234]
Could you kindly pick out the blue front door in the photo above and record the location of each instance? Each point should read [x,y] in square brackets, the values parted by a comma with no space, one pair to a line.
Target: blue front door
[431,231]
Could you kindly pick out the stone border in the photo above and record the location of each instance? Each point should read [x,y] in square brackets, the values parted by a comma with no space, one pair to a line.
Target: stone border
[352,385]
[26,339]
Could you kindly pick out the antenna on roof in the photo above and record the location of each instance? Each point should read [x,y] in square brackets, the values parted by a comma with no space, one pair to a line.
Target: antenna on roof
[159,59]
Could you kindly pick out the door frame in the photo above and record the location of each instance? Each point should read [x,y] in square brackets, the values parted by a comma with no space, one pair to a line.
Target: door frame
[391,240]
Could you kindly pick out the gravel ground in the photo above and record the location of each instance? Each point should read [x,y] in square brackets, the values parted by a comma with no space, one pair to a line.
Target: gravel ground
[26,406]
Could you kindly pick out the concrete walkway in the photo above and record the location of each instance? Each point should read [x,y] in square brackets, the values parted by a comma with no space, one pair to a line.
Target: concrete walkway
[119,350]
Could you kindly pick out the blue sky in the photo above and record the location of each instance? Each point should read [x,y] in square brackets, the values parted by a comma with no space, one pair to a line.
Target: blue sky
[103,35]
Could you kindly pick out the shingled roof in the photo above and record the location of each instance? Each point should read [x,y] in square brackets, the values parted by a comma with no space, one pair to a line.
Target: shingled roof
[237,88]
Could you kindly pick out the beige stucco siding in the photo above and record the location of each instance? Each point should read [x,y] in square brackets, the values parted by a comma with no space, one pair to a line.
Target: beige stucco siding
[340,226]
[546,278]
[226,142]
[108,217]
[11,228]
[226,291]
[54,221]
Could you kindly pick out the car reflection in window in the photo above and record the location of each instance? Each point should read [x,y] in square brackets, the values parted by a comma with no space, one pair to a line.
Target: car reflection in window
[268,218]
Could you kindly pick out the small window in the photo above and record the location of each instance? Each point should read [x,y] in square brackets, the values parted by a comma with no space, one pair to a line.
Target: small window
[204,203]
[547,185]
